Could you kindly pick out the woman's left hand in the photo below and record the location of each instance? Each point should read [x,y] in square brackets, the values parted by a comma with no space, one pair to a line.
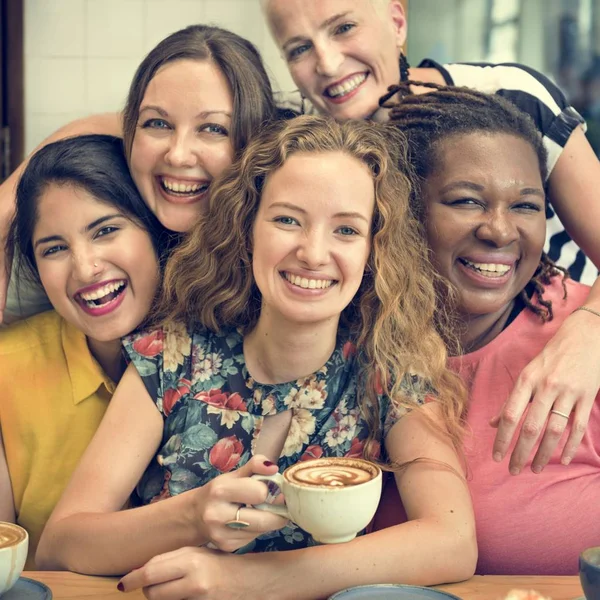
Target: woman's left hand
[194,574]
[564,378]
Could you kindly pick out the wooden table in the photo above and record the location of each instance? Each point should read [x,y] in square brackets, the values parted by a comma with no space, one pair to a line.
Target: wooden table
[82,587]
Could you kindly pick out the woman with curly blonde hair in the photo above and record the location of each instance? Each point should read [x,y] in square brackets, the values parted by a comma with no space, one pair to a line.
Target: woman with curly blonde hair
[297,321]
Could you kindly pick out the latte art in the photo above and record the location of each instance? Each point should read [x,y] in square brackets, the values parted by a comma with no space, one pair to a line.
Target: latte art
[330,475]
[10,535]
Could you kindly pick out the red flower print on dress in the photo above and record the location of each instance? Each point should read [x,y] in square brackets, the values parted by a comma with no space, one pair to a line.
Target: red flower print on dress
[348,350]
[150,345]
[356,448]
[172,396]
[226,453]
[311,452]
[222,399]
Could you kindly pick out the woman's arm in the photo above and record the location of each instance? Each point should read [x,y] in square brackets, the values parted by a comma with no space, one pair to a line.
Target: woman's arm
[437,545]
[88,532]
[7,504]
[565,375]
[109,123]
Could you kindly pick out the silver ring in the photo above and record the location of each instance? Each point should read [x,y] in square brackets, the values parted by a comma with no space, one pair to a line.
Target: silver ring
[237,523]
[560,414]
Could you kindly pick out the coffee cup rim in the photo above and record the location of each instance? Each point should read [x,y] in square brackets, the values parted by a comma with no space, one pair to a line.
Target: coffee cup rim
[376,470]
[16,526]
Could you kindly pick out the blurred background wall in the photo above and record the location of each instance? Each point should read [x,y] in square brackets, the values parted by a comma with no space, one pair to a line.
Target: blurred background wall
[80,55]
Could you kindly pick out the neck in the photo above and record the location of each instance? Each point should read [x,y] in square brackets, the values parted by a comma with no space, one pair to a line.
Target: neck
[277,351]
[479,330]
[109,357]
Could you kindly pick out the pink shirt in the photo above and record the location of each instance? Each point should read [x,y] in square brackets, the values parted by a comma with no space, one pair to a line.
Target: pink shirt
[526,524]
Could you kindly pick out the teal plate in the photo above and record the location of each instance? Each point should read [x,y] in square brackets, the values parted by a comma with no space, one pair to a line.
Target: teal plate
[28,589]
[390,592]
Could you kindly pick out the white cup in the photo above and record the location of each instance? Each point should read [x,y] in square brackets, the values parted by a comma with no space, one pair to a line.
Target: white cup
[14,544]
[330,498]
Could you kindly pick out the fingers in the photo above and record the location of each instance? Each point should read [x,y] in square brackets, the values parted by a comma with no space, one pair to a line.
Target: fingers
[242,491]
[579,422]
[171,575]
[260,521]
[555,427]
[509,417]
[549,421]
[258,464]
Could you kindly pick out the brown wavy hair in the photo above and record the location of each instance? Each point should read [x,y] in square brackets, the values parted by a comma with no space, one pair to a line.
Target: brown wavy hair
[235,57]
[209,279]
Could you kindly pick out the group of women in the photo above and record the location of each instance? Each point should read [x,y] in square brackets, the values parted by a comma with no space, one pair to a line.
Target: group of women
[236,288]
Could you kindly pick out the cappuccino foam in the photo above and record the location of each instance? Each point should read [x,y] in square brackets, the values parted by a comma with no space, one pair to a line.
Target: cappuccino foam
[330,475]
[10,535]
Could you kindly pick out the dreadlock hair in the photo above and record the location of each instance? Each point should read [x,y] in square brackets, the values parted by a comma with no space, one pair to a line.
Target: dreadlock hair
[429,119]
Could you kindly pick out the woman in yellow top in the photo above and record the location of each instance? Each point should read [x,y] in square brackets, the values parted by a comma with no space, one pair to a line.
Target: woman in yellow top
[86,235]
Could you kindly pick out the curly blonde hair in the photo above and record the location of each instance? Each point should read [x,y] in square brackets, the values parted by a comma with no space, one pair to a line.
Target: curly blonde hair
[209,279]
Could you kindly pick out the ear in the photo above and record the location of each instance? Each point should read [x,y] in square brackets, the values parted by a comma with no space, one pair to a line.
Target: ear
[397,15]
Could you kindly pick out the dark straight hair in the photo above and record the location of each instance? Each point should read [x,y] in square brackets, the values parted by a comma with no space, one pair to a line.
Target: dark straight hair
[236,58]
[94,163]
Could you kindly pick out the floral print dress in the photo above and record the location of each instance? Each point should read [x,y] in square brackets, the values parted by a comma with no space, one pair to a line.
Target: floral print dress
[213,412]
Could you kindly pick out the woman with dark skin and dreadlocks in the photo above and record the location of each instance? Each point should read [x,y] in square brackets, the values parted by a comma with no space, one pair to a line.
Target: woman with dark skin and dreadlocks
[480,195]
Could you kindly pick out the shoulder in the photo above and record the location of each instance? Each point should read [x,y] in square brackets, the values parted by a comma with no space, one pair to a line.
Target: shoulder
[566,295]
[24,336]
[506,77]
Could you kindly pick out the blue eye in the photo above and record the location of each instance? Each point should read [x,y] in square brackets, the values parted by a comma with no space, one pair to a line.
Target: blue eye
[297,51]
[285,220]
[347,231]
[215,128]
[344,28]
[156,124]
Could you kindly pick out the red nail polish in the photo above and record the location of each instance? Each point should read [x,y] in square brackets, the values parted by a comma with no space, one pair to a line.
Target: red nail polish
[120,587]
[268,463]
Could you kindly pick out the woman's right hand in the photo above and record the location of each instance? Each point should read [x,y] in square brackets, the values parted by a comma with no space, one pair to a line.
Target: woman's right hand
[217,504]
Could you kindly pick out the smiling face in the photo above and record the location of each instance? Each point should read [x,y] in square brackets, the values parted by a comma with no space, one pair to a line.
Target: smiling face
[342,54]
[99,268]
[312,236]
[182,140]
[486,222]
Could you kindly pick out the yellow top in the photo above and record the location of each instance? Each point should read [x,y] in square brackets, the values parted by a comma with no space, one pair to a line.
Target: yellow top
[53,395]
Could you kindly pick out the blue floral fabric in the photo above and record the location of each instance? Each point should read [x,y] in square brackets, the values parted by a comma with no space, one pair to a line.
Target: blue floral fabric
[213,412]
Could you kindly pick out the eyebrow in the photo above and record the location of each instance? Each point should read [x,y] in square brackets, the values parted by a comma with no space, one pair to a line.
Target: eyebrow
[89,227]
[343,215]
[527,191]
[324,25]
[202,115]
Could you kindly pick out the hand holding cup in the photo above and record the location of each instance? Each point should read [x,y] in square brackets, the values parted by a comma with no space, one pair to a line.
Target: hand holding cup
[330,498]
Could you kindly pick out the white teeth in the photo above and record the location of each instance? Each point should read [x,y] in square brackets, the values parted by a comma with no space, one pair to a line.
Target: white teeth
[182,188]
[309,284]
[103,291]
[344,88]
[497,269]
